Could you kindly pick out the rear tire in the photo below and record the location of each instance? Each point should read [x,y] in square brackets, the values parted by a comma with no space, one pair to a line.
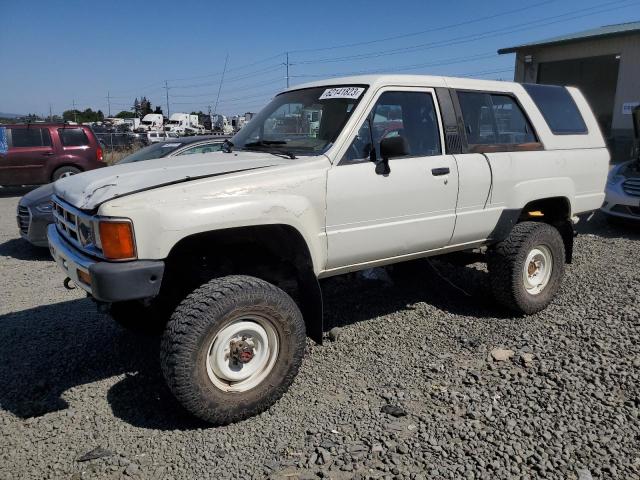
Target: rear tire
[65,171]
[232,348]
[526,268]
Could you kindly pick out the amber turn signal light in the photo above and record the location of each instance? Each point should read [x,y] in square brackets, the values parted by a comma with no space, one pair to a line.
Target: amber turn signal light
[84,277]
[117,240]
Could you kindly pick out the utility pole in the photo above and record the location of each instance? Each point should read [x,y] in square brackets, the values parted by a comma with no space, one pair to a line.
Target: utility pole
[226,60]
[287,65]
[50,114]
[75,112]
[109,104]
[166,87]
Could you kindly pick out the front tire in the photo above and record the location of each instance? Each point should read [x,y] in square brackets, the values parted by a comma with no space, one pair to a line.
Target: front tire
[232,348]
[526,268]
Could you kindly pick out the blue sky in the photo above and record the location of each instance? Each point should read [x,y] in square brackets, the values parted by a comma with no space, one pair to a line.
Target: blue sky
[55,52]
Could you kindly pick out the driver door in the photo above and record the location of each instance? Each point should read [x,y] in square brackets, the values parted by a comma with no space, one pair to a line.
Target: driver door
[372,217]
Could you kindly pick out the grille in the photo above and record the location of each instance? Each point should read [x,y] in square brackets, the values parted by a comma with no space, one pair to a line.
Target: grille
[632,187]
[24,219]
[75,226]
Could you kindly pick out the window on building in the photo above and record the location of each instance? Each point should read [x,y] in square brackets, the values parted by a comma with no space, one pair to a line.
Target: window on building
[30,137]
[558,109]
[494,119]
[73,137]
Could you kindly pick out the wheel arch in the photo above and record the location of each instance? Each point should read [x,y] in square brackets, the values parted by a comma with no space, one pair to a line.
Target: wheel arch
[277,253]
[555,211]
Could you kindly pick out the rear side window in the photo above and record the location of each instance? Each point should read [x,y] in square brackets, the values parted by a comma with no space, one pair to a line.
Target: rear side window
[30,137]
[494,119]
[73,137]
[558,108]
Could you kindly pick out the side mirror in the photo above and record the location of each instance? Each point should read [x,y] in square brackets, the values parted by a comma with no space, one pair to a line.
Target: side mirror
[394,147]
[391,147]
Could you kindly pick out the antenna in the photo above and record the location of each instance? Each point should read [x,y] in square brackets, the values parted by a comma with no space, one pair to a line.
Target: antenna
[215,109]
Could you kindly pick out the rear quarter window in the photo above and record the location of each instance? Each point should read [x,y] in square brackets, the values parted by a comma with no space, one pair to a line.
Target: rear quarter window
[73,137]
[558,109]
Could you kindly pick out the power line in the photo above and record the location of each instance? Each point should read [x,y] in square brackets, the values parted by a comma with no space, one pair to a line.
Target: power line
[415,66]
[422,32]
[472,37]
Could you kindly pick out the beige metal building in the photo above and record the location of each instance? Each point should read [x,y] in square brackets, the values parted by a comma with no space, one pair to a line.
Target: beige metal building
[603,62]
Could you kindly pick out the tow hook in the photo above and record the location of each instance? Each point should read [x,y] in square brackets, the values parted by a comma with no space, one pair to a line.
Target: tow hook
[241,351]
[67,284]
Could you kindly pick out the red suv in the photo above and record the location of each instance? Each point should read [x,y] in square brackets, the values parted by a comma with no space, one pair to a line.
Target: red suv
[44,152]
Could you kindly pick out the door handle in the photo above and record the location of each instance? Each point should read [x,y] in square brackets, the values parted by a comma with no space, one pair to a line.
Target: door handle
[436,172]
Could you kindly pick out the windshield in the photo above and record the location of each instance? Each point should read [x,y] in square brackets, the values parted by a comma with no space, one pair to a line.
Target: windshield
[157,150]
[301,122]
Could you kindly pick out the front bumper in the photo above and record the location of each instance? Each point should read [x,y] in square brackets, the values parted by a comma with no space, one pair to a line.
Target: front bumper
[618,203]
[109,281]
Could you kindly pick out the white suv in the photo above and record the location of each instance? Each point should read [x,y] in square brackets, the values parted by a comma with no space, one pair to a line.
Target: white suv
[222,252]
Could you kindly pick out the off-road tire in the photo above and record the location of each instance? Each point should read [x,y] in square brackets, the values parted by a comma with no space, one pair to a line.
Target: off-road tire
[194,325]
[64,171]
[506,262]
[138,318]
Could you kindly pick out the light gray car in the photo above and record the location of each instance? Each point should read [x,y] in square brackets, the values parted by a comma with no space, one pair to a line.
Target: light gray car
[623,185]
[623,191]
[34,209]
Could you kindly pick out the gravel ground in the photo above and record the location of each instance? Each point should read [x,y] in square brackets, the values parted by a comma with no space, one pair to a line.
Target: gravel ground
[422,381]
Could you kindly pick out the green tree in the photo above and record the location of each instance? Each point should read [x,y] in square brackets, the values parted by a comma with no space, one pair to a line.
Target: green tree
[125,114]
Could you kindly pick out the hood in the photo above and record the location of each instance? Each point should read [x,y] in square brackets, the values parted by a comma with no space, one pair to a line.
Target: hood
[37,196]
[89,189]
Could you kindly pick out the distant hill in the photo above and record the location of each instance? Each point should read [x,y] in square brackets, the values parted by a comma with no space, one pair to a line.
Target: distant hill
[11,115]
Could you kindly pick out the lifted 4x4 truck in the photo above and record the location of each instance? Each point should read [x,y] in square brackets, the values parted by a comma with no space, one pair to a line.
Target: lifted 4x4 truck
[222,252]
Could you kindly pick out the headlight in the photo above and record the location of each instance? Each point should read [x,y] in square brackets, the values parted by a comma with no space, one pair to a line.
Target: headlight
[116,239]
[44,207]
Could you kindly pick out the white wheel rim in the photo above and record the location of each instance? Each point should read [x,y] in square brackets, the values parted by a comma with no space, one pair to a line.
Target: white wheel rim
[225,371]
[537,269]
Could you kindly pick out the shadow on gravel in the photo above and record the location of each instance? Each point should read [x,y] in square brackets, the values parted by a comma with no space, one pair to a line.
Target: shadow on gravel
[460,290]
[22,250]
[610,228]
[49,350]
[6,192]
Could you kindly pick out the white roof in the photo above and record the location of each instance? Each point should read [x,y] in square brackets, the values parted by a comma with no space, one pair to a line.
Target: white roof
[376,81]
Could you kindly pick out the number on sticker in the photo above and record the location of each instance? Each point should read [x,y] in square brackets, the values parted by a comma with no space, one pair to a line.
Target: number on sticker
[342,92]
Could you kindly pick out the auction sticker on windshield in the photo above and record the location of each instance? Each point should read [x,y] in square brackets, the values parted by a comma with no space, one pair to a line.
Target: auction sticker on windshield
[342,92]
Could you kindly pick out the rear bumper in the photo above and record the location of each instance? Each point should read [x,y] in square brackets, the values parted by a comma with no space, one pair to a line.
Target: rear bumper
[109,281]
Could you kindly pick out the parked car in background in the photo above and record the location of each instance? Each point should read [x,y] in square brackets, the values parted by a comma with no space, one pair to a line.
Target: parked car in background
[623,185]
[154,137]
[44,152]
[34,209]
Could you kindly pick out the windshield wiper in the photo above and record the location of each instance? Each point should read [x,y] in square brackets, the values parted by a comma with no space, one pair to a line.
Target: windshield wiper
[265,143]
[227,146]
[279,153]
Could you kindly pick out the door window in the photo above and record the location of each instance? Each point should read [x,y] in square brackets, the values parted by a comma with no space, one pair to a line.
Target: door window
[494,119]
[73,137]
[30,137]
[411,115]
